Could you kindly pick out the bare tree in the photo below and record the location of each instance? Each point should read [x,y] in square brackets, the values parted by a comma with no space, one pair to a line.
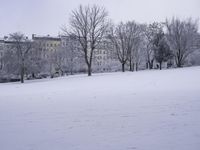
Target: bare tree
[182,37]
[149,32]
[88,24]
[118,37]
[58,60]
[133,43]
[138,52]
[125,38]
[34,62]
[18,52]
[162,52]
[72,53]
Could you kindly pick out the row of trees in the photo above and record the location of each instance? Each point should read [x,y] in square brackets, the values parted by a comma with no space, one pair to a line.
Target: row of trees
[173,39]
[24,57]
[21,56]
[132,43]
[88,25]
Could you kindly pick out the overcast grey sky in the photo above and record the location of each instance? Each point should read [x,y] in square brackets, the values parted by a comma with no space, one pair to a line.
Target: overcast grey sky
[47,16]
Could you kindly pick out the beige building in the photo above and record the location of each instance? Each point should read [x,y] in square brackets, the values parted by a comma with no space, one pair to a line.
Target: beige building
[47,44]
[105,58]
[5,44]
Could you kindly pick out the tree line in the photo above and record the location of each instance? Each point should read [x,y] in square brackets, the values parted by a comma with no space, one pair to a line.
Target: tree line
[173,40]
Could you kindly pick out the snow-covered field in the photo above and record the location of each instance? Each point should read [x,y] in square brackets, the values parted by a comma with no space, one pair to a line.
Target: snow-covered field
[147,110]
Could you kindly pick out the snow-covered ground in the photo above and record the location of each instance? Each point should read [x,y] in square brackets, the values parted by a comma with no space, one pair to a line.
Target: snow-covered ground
[147,110]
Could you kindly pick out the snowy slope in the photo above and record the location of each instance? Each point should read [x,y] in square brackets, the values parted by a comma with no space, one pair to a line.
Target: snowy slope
[147,110]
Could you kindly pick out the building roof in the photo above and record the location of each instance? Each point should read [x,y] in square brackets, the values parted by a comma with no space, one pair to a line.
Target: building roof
[48,37]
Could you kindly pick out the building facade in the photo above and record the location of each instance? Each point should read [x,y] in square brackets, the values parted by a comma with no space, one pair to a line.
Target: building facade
[68,50]
[105,58]
[46,44]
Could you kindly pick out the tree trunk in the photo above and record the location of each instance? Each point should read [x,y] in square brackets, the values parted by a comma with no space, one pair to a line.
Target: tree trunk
[136,67]
[178,61]
[62,73]
[123,67]
[22,75]
[179,64]
[147,65]
[151,64]
[89,70]
[160,65]
[133,66]
[71,71]
[33,75]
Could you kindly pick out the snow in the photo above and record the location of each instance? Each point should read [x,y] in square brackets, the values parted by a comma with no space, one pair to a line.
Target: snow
[147,110]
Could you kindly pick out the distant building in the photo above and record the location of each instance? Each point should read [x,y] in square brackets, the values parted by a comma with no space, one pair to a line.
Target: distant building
[74,54]
[104,57]
[5,44]
[46,44]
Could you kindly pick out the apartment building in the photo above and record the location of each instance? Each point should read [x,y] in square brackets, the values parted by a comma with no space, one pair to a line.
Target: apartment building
[5,44]
[46,44]
[105,57]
